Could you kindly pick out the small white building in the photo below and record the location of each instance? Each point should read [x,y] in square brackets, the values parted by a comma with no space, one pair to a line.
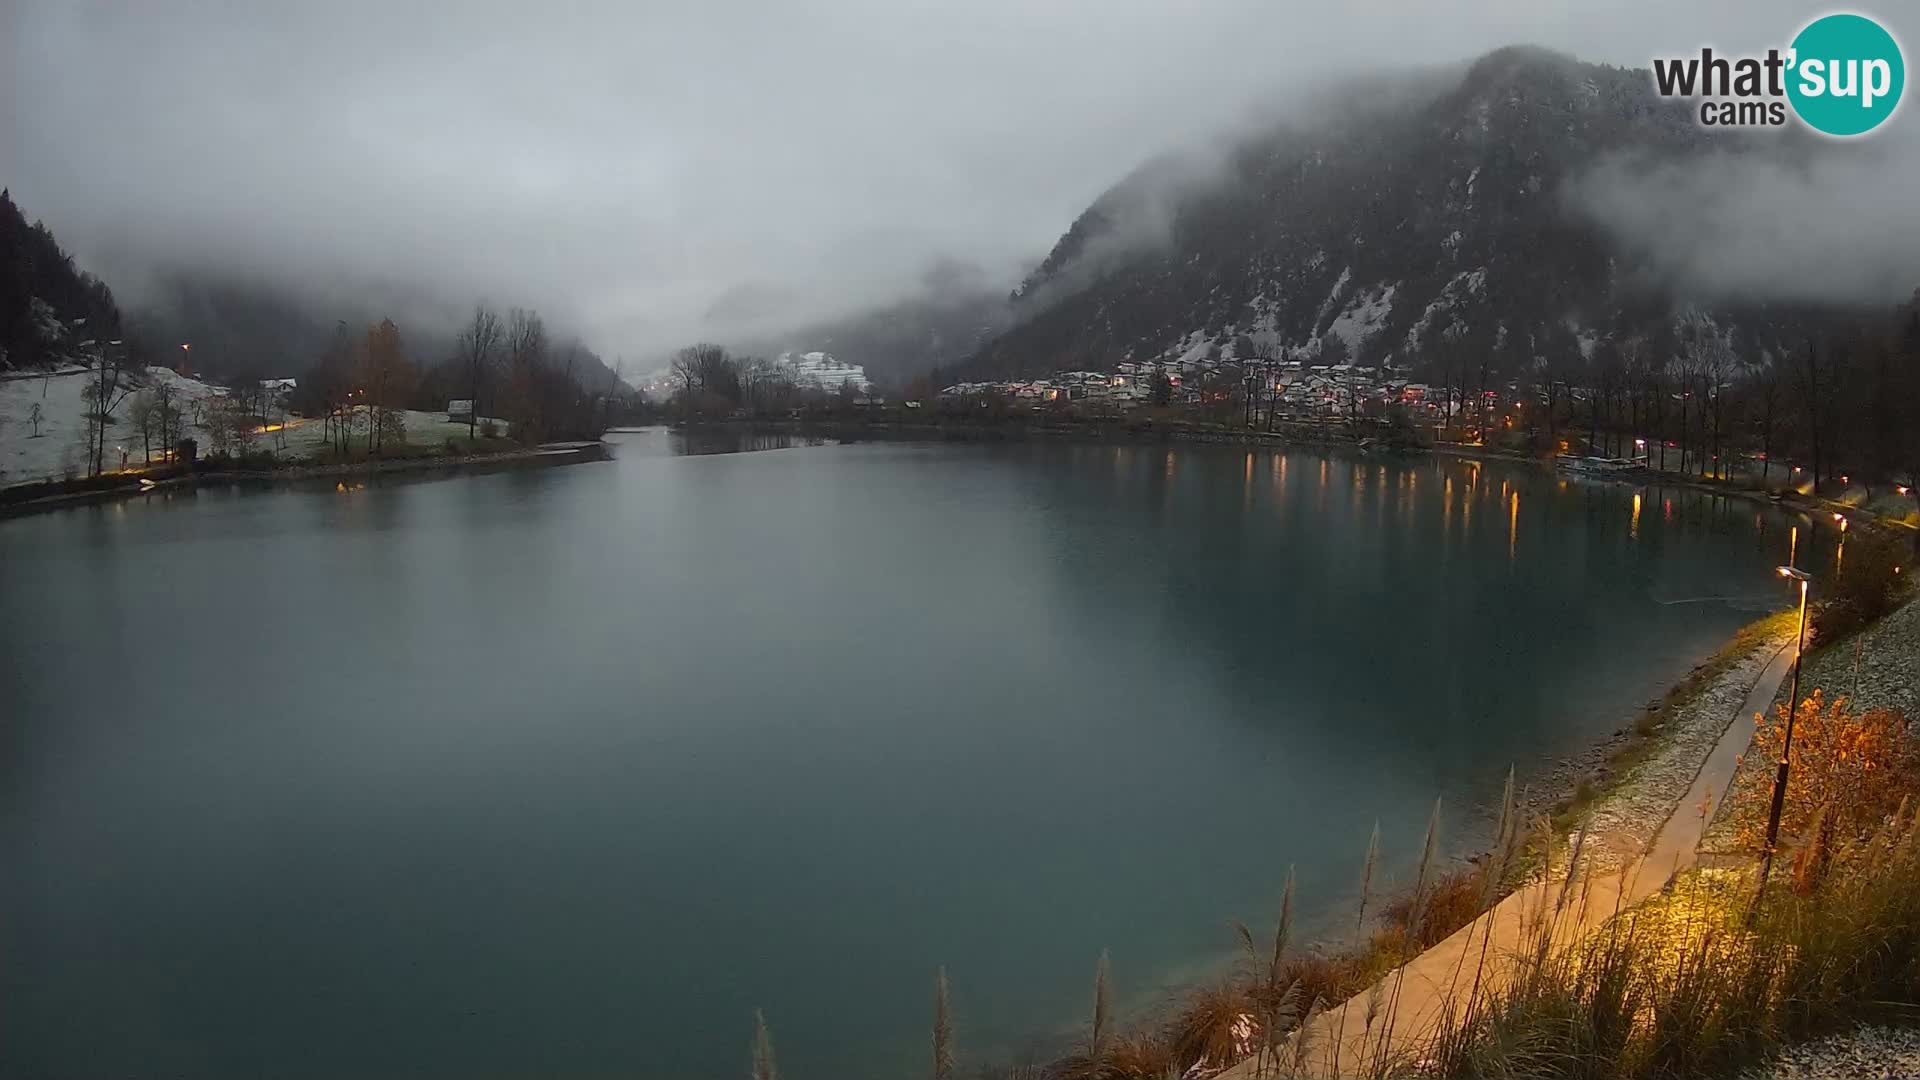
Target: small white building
[278,391]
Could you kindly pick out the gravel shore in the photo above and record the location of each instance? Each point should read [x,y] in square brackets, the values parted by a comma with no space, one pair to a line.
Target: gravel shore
[1622,822]
[1867,1053]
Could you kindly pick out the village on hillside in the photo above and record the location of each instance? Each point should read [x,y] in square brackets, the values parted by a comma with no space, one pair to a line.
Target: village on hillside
[1294,387]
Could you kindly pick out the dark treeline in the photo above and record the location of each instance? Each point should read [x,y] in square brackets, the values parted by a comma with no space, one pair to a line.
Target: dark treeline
[710,382]
[513,380]
[1837,404]
[48,307]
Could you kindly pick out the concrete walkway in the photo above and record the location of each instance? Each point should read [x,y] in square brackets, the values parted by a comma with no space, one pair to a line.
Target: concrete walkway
[1439,979]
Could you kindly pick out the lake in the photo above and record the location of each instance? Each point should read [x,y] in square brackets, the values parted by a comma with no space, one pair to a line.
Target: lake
[566,772]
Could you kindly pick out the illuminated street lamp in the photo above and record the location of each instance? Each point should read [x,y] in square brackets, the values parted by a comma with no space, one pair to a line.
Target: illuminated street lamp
[1786,746]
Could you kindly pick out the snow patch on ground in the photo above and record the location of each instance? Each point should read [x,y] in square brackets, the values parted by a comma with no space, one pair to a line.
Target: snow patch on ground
[1198,345]
[61,450]
[1366,314]
[1588,340]
[1463,284]
[1333,297]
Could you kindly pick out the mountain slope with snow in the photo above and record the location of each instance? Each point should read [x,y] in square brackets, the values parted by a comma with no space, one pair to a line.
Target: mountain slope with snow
[1408,231]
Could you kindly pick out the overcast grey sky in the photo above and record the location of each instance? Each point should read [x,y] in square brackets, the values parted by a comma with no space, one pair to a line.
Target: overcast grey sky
[628,166]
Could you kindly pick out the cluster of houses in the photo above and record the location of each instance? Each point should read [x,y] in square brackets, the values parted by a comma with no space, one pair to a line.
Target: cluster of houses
[821,370]
[1296,385]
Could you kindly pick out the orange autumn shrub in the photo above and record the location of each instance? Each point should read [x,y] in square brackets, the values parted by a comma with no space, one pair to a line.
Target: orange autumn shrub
[1849,771]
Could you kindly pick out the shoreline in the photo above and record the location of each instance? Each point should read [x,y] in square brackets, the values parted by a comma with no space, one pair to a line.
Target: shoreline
[1291,433]
[1099,433]
[531,457]
[1647,771]
[1640,821]
[1642,777]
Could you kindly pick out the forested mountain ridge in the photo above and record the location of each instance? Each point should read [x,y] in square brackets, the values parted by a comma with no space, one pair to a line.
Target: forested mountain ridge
[43,296]
[1414,231]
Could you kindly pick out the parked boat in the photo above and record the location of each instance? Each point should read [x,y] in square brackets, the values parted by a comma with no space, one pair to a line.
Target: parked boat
[1595,466]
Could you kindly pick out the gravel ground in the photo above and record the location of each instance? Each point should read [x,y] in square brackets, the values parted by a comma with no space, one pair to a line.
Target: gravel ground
[1623,821]
[1888,656]
[1879,1053]
[1879,669]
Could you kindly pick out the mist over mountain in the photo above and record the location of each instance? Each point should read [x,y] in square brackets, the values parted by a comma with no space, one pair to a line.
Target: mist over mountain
[1505,207]
[242,329]
[956,310]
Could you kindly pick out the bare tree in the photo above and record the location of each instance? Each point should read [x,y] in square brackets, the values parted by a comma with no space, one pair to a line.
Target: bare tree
[103,393]
[166,413]
[526,349]
[141,413]
[34,416]
[385,379]
[1812,397]
[1715,365]
[1687,366]
[1769,397]
[693,364]
[478,342]
[705,370]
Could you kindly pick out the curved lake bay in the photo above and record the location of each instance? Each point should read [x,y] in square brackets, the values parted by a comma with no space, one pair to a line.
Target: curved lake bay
[566,772]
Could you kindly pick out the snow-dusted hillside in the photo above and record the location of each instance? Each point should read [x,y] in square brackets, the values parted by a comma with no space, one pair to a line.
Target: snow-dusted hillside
[1413,230]
[61,448]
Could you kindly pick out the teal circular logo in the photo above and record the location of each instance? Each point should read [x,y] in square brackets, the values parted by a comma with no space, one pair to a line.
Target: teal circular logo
[1846,74]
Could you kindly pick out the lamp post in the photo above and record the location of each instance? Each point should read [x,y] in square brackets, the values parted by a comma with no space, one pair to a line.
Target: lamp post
[1786,746]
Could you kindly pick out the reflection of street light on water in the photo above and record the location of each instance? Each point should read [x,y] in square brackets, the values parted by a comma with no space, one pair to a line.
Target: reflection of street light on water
[1793,709]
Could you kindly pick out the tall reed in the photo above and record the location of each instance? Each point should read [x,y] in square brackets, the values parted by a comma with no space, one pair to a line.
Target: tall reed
[942,1028]
[763,1067]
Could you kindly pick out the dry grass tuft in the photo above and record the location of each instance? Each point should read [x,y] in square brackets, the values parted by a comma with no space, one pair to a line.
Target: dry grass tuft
[1454,899]
[1125,1057]
[1213,1027]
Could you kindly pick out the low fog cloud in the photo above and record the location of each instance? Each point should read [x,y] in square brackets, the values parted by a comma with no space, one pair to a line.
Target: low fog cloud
[1810,220]
[650,173]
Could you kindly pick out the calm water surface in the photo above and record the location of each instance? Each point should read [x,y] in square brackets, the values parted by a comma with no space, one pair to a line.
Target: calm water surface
[566,772]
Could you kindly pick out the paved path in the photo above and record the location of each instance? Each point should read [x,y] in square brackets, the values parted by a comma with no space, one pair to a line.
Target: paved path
[1443,975]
